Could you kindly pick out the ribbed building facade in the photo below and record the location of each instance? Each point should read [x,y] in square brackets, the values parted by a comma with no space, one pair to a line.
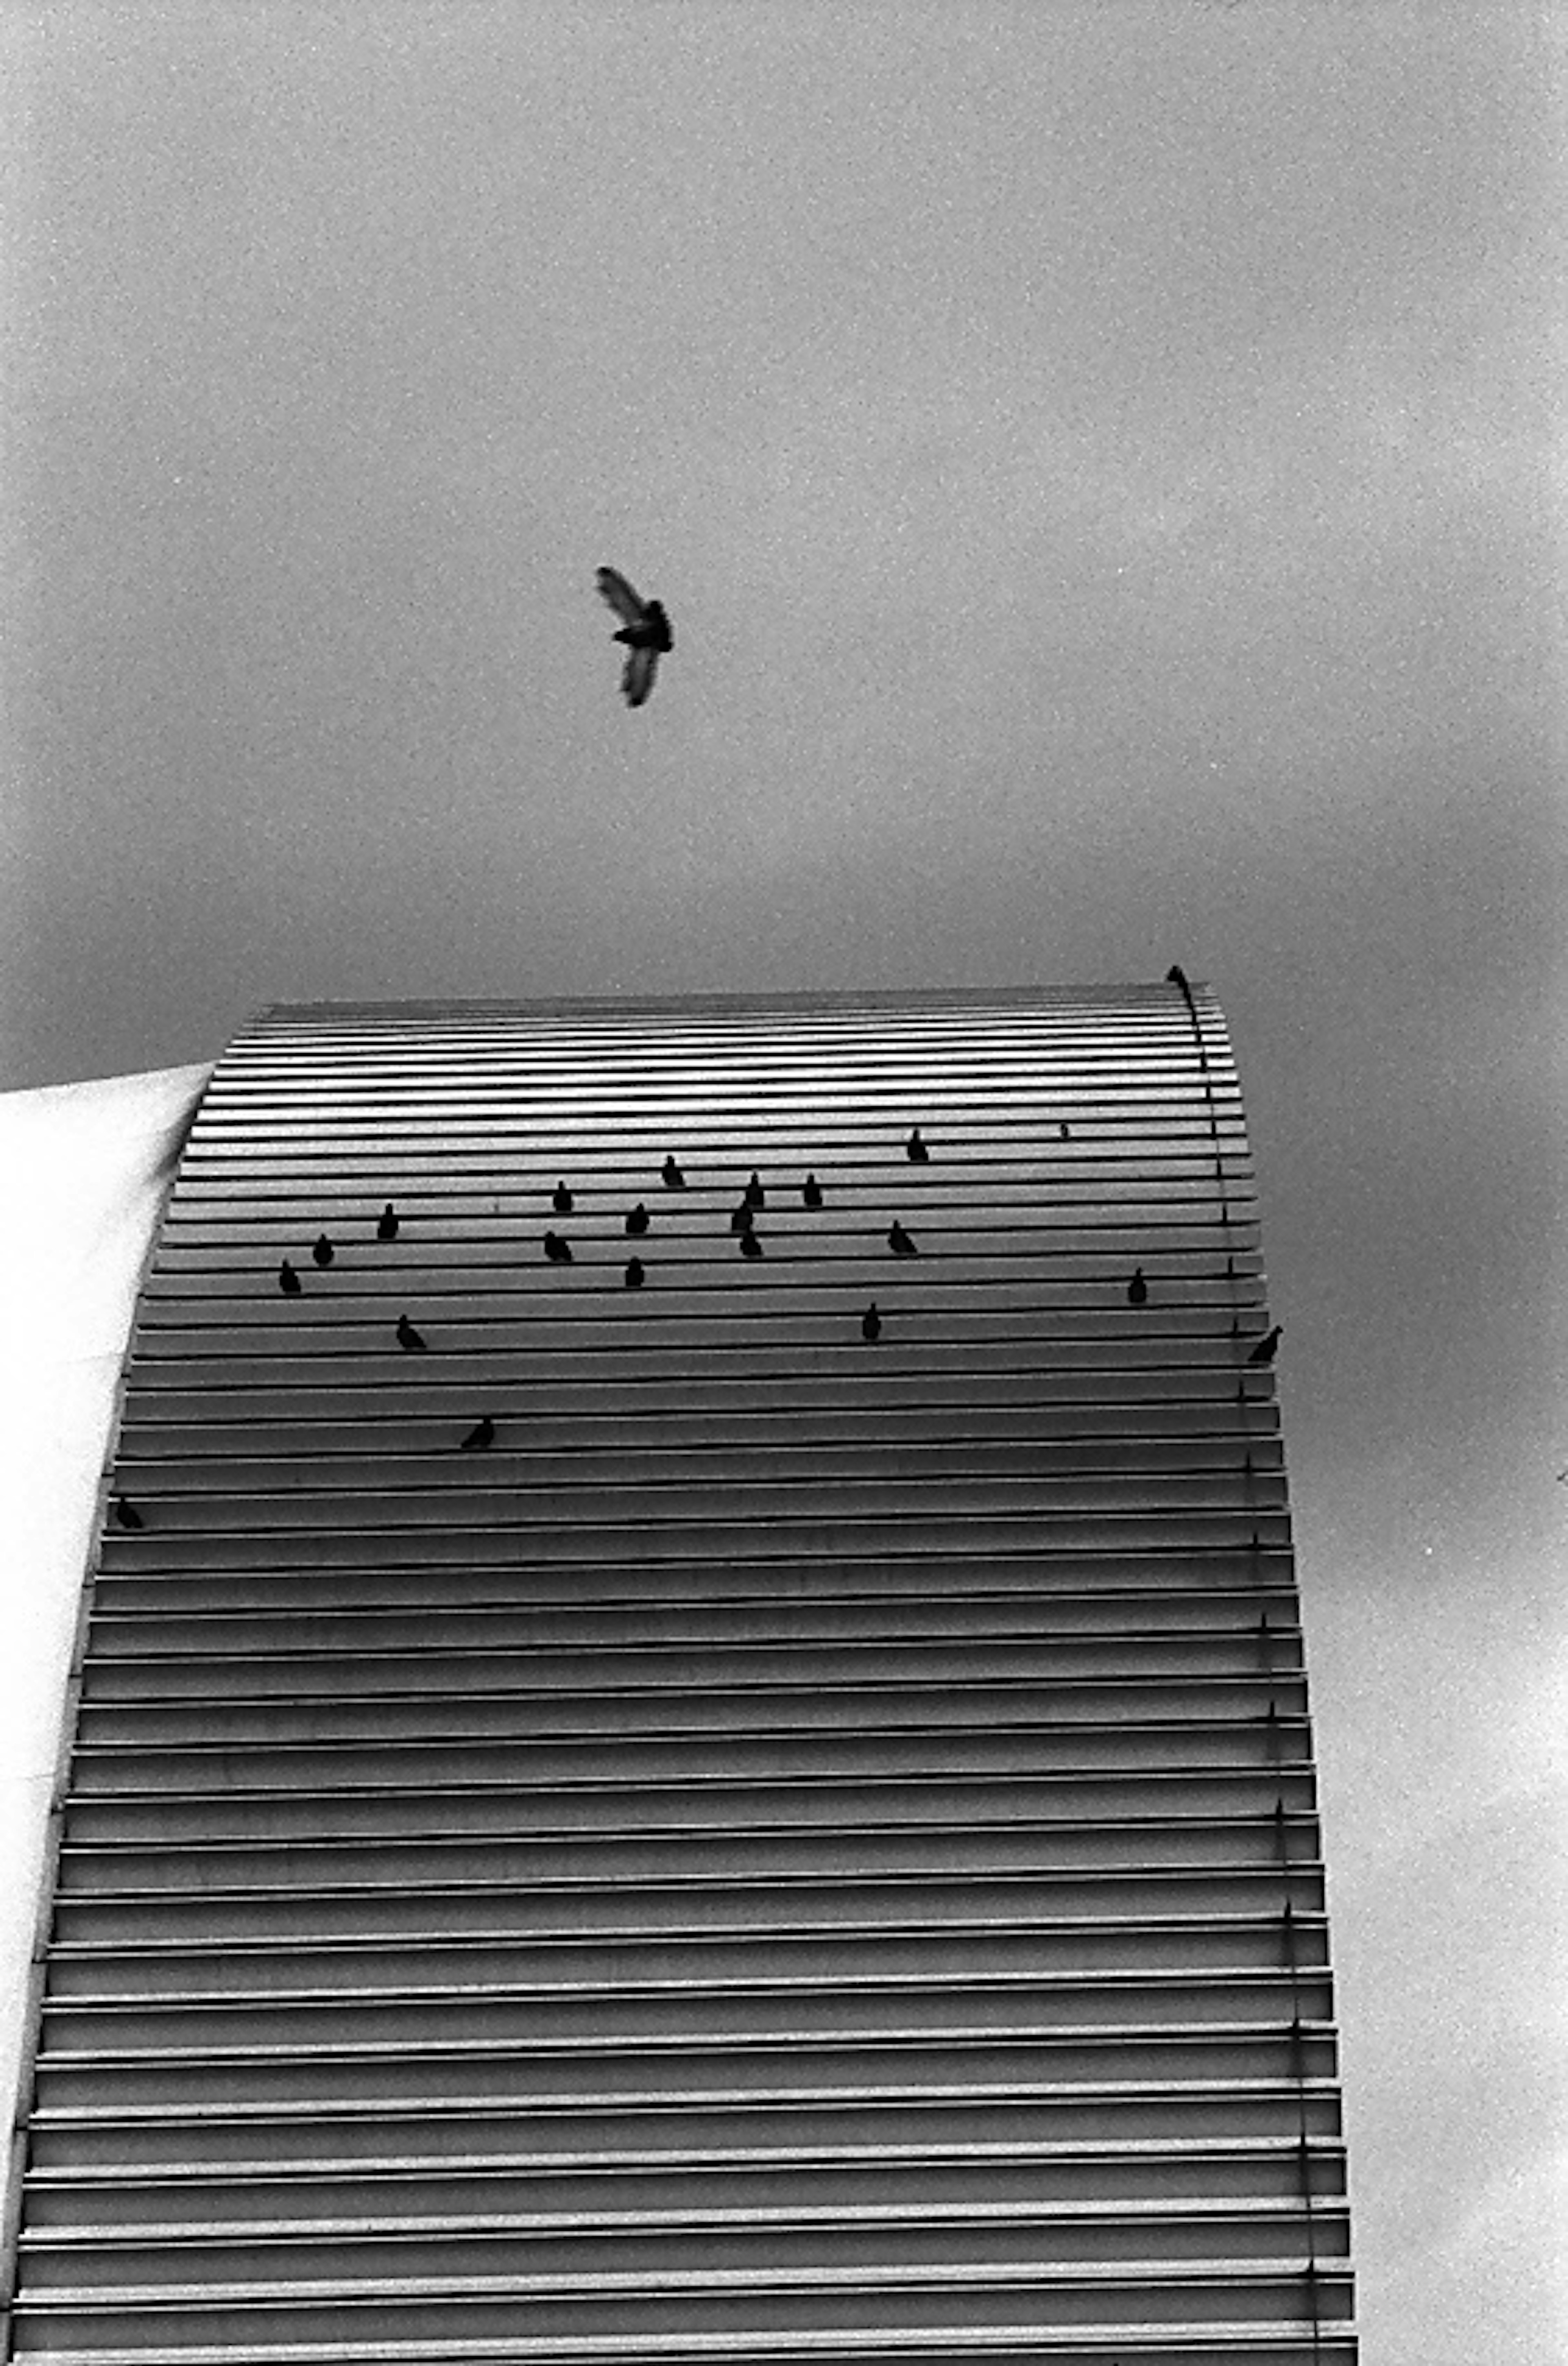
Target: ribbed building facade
[751,1804]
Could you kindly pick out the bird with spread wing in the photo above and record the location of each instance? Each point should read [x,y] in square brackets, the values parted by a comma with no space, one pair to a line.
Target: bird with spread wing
[645,632]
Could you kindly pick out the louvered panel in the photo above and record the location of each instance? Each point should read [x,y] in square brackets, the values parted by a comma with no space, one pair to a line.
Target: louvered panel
[804,1846]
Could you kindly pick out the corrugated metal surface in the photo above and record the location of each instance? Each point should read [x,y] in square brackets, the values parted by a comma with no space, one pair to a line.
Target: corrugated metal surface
[805,1846]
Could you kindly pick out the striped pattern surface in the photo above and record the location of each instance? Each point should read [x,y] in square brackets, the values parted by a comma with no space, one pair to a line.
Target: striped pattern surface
[788,1845]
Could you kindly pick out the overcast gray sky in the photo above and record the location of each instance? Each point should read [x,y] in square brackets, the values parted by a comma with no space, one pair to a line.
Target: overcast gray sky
[1102,462]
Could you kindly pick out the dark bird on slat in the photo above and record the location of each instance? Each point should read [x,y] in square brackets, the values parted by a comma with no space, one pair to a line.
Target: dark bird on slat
[755,1195]
[1064,1130]
[1137,1288]
[322,1250]
[1267,1347]
[645,632]
[742,1218]
[387,1228]
[1176,976]
[561,1200]
[751,1246]
[126,1513]
[811,1192]
[871,1323]
[673,1178]
[636,1273]
[289,1280]
[915,1148]
[408,1337]
[901,1243]
[482,1435]
[636,1219]
[558,1251]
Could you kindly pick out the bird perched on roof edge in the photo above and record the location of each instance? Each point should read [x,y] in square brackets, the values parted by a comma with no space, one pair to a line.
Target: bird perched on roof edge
[646,633]
[1267,1347]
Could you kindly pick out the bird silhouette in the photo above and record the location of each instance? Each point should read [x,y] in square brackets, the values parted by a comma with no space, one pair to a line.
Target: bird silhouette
[672,1177]
[558,1251]
[755,1197]
[289,1280]
[408,1337]
[915,1148]
[646,634]
[1267,1347]
[126,1513]
[1137,1288]
[1066,1131]
[636,1273]
[561,1200]
[871,1323]
[1176,976]
[636,1219]
[387,1228]
[811,1192]
[482,1435]
[901,1243]
[741,1219]
[322,1250]
[751,1246]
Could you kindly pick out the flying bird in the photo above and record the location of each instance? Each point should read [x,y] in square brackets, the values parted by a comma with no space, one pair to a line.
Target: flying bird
[636,1219]
[915,1148]
[636,1273]
[322,1250]
[1267,1347]
[386,1229]
[558,1251]
[673,1178]
[645,632]
[561,1200]
[811,1192]
[482,1435]
[289,1280]
[1137,1288]
[901,1243]
[126,1513]
[751,1246]
[871,1323]
[408,1338]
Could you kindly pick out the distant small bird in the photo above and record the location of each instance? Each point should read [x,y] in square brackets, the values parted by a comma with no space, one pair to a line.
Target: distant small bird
[646,634]
[811,1192]
[1066,1131]
[558,1251]
[636,1273]
[561,1200]
[901,1243]
[126,1513]
[1176,976]
[915,1148]
[673,1178]
[387,1228]
[322,1250]
[1137,1288]
[743,1218]
[755,1197]
[289,1280]
[871,1323]
[1267,1347]
[636,1219]
[482,1435]
[408,1337]
[751,1246]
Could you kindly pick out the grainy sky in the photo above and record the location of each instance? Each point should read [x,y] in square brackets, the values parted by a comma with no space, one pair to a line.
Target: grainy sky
[1103,465]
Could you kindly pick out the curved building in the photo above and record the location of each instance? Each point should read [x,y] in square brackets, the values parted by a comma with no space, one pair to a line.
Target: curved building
[689,1739]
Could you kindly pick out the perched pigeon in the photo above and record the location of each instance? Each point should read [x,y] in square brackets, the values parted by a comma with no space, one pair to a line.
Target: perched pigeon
[561,1200]
[1267,1347]
[482,1435]
[811,1192]
[673,1178]
[1066,1131]
[915,1148]
[1176,976]
[1137,1288]
[636,1273]
[636,1219]
[743,1218]
[126,1513]
[646,634]
[901,1243]
[386,1229]
[558,1251]
[408,1337]
[289,1280]
[751,1246]
[755,1197]
[322,1250]
[871,1323]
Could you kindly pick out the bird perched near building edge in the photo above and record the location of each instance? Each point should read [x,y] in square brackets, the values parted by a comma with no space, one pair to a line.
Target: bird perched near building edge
[1267,1347]
[408,1338]
[482,1435]
[645,631]
[871,1323]
[289,1280]
[901,1243]
[1137,1288]
[386,1225]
